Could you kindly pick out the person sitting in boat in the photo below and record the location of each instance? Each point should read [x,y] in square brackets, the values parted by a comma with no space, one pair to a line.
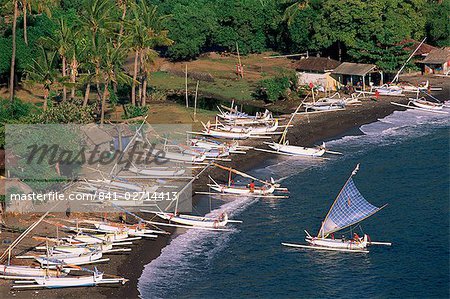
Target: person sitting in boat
[356,238]
[123,218]
[343,238]
[222,216]
[251,186]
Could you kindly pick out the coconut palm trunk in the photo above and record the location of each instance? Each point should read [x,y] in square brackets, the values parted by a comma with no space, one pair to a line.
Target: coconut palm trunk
[25,34]
[73,76]
[135,73]
[46,93]
[86,94]
[144,89]
[13,56]
[105,95]
[124,13]
[97,81]
[64,74]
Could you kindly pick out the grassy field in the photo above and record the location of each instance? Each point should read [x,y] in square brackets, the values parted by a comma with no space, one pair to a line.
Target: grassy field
[220,88]
[225,83]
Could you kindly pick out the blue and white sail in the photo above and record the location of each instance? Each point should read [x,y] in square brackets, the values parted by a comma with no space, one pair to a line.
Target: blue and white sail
[349,208]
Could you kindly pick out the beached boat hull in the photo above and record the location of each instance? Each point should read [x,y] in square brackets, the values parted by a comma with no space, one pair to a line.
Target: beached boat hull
[194,221]
[94,239]
[389,90]
[133,231]
[25,271]
[71,259]
[155,172]
[182,157]
[298,150]
[426,104]
[227,134]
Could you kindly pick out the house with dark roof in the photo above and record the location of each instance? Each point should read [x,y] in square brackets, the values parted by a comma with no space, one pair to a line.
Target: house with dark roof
[357,74]
[437,62]
[410,45]
[316,71]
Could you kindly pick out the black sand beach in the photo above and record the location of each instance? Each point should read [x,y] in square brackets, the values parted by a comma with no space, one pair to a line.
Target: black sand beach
[308,130]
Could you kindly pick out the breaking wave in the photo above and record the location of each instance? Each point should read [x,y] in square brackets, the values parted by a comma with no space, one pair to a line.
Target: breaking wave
[189,255]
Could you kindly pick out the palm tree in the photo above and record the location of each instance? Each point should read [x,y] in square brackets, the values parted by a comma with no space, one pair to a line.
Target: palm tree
[13,56]
[41,6]
[293,9]
[62,41]
[96,20]
[123,4]
[111,71]
[43,71]
[74,53]
[147,33]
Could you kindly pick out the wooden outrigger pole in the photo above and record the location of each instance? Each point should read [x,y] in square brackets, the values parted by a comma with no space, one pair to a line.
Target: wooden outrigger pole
[7,252]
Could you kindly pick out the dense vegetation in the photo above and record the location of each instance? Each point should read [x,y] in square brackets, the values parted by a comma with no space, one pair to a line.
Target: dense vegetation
[71,47]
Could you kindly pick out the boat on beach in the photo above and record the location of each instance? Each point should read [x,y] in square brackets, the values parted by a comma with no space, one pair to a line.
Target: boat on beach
[157,171]
[348,209]
[54,259]
[282,147]
[196,221]
[333,102]
[423,104]
[50,282]
[235,116]
[14,272]
[297,150]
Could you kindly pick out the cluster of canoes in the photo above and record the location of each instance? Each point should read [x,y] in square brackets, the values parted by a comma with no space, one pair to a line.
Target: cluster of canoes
[90,240]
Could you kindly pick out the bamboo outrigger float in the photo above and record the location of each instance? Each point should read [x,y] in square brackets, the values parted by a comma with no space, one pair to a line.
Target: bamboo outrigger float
[348,209]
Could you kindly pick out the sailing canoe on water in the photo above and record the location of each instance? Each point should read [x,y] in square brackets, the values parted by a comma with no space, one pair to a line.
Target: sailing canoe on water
[349,208]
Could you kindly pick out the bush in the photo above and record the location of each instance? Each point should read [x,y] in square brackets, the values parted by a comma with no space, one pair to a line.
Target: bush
[68,112]
[276,88]
[134,111]
[15,110]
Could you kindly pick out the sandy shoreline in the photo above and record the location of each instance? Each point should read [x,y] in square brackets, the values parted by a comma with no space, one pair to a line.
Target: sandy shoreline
[320,127]
[307,130]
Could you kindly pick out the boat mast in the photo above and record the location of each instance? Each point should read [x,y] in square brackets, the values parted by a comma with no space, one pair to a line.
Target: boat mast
[335,200]
[283,136]
[411,56]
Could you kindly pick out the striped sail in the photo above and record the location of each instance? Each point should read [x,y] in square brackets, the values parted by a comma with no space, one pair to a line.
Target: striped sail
[350,207]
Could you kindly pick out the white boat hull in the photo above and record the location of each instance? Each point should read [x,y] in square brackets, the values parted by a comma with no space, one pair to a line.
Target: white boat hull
[389,90]
[95,239]
[243,190]
[183,157]
[134,231]
[194,221]
[227,135]
[71,259]
[339,244]
[297,150]
[426,104]
[24,271]
[155,172]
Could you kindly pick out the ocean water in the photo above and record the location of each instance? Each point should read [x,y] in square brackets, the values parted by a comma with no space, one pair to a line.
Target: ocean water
[404,162]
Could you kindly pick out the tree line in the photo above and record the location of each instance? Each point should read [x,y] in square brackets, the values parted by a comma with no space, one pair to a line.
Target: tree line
[79,45]
[80,49]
